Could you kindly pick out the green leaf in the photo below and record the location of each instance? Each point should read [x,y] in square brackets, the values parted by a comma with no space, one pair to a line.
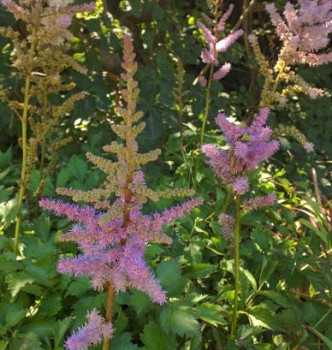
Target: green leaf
[3,344]
[169,274]
[42,226]
[41,251]
[268,267]
[50,305]
[123,342]
[278,298]
[79,287]
[249,331]
[120,323]
[321,336]
[199,270]
[262,239]
[39,325]
[42,274]
[141,302]
[180,319]
[249,276]
[8,211]
[8,262]
[60,330]
[63,177]
[17,281]
[319,230]
[14,316]
[211,313]
[154,338]
[77,168]
[26,341]
[261,316]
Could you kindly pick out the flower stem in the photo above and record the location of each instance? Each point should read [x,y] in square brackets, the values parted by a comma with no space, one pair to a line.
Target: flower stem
[24,124]
[207,103]
[109,311]
[236,265]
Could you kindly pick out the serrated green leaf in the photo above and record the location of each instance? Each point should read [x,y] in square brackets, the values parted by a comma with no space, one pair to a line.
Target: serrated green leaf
[42,274]
[199,270]
[120,323]
[60,330]
[123,342]
[262,239]
[41,251]
[25,341]
[278,298]
[33,289]
[50,305]
[261,316]
[153,338]
[39,325]
[249,276]
[63,177]
[269,264]
[141,302]
[42,226]
[249,331]
[169,274]
[13,317]
[17,280]
[8,211]
[8,262]
[79,287]
[211,313]
[180,319]
[78,168]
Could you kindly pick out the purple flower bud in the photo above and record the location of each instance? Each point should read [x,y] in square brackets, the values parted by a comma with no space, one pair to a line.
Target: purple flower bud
[92,333]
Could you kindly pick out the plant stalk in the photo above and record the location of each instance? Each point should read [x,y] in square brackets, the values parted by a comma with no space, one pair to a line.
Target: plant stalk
[109,312]
[207,103]
[236,265]
[24,124]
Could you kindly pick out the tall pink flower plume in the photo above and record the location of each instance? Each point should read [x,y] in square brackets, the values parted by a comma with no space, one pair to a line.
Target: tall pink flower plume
[305,31]
[216,45]
[248,146]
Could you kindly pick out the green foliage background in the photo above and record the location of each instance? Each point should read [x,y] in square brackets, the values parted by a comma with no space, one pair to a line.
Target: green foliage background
[286,250]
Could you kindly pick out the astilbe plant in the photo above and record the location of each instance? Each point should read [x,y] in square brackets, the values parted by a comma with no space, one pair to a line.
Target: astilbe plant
[248,146]
[217,43]
[304,35]
[41,55]
[113,236]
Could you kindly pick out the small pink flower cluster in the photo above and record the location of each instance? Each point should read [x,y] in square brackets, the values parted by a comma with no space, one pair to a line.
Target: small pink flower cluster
[215,46]
[90,334]
[248,146]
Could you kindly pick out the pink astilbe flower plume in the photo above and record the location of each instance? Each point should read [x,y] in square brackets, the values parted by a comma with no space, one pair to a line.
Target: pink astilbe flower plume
[216,45]
[113,236]
[305,32]
[90,334]
[248,146]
